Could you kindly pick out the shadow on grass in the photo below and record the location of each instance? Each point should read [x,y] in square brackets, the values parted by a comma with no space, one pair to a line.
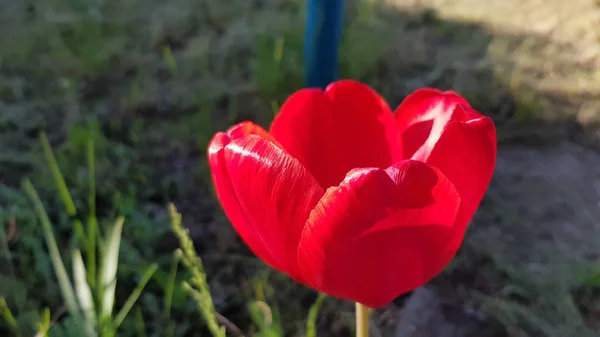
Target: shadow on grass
[160,78]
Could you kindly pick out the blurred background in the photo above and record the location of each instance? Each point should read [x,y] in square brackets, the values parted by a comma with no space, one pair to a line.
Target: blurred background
[150,81]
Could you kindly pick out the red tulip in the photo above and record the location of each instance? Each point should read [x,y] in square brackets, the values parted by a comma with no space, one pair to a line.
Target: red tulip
[353,200]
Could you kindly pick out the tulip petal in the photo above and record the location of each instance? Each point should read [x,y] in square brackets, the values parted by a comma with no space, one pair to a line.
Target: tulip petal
[275,194]
[422,117]
[248,128]
[332,132]
[242,220]
[230,203]
[466,154]
[225,191]
[363,240]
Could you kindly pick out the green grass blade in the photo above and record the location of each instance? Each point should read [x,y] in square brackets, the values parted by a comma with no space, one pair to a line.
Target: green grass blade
[91,251]
[109,268]
[134,296]
[170,59]
[80,233]
[66,288]
[170,287]
[45,324]
[139,323]
[58,177]
[5,250]
[92,224]
[92,177]
[61,185]
[278,50]
[311,322]
[84,294]
[9,318]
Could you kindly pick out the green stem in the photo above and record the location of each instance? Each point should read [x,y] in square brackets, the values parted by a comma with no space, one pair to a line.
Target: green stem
[92,224]
[311,322]
[362,320]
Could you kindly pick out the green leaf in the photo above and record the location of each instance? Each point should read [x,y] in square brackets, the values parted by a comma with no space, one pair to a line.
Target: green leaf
[45,324]
[84,294]
[9,319]
[134,296]
[170,286]
[109,268]
[58,177]
[61,185]
[92,223]
[66,288]
[139,323]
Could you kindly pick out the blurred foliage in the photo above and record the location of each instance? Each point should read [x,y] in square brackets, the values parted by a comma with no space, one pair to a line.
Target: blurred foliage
[142,81]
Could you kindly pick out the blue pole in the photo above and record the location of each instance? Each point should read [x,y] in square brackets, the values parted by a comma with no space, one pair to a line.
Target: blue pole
[322,38]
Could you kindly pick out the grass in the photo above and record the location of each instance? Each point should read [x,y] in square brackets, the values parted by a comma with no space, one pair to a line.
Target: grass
[128,94]
[90,296]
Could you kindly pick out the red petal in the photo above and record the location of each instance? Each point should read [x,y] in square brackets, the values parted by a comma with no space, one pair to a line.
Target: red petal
[332,132]
[422,117]
[226,193]
[248,128]
[466,154]
[275,195]
[230,203]
[363,240]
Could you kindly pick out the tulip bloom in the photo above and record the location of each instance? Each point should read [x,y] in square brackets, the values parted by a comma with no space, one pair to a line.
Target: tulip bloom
[351,199]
